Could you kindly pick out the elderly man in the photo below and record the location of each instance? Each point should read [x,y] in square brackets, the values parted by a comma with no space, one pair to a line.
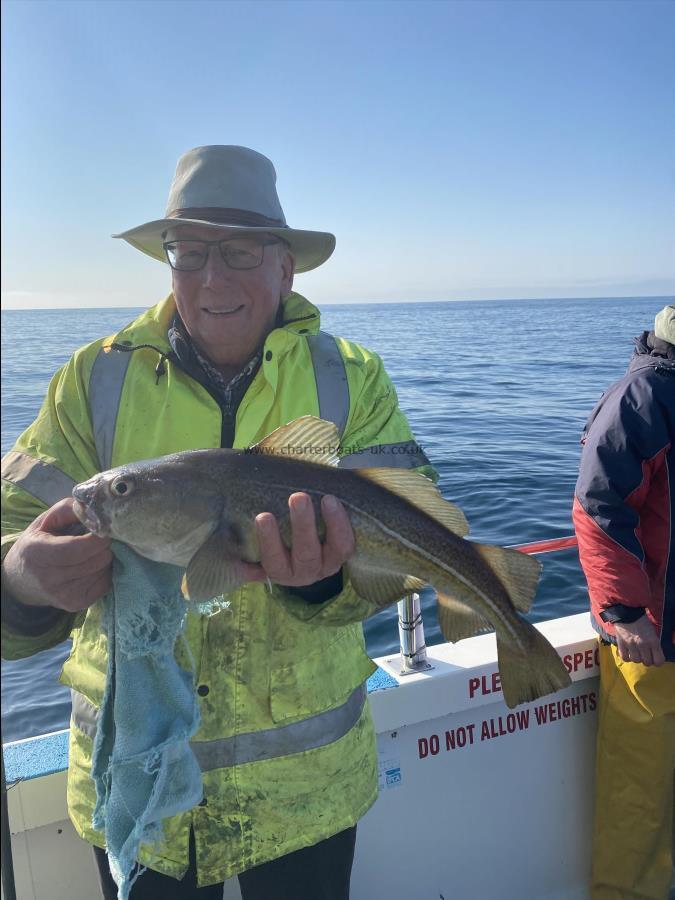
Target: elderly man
[229,356]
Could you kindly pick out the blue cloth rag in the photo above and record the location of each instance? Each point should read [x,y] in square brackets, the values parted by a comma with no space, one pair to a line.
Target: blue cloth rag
[143,767]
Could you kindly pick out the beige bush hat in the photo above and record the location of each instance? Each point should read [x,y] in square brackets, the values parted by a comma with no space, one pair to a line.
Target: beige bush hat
[664,324]
[232,188]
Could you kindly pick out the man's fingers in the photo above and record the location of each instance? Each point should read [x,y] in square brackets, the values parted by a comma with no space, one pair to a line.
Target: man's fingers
[643,655]
[81,593]
[339,544]
[633,653]
[274,557]
[58,518]
[72,550]
[626,651]
[306,556]
[652,653]
[647,653]
[55,538]
[76,580]
[100,561]
[252,572]
[658,656]
[82,545]
[308,560]
[638,642]
[98,588]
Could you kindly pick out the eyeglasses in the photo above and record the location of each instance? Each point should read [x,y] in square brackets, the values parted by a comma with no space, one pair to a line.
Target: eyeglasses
[190,256]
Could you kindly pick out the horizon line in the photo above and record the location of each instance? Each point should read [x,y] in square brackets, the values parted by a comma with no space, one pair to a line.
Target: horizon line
[5,308]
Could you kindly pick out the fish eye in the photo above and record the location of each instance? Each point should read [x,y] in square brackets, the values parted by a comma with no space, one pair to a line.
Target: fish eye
[121,486]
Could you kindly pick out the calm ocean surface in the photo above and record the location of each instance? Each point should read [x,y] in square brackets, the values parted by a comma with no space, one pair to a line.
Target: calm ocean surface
[496,392]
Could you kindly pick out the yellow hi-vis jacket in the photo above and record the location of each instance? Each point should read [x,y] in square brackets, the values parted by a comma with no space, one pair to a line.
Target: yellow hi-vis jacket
[286,742]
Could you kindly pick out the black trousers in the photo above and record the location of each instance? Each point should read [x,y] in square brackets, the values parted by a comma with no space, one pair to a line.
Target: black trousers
[319,872]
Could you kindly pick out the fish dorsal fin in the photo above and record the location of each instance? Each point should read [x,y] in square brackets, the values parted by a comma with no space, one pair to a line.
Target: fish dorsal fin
[421,492]
[307,438]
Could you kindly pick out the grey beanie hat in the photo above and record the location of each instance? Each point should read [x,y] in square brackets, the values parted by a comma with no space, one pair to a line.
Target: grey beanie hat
[664,324]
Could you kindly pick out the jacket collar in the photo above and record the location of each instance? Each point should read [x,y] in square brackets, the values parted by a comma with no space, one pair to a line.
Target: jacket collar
[650,351]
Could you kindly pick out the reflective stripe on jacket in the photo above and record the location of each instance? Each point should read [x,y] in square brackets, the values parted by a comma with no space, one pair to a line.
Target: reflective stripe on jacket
[286,742]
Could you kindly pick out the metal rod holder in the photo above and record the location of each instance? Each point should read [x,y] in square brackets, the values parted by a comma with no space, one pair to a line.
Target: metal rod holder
[411,636]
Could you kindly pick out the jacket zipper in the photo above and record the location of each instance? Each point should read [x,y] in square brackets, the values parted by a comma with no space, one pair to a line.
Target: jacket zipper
[227,422]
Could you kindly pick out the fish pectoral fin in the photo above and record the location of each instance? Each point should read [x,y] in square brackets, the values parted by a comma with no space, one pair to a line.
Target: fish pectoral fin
[381,586]
[215,569]
[307,438]
[422,493]
[518,572]
[457,620]
[529,667]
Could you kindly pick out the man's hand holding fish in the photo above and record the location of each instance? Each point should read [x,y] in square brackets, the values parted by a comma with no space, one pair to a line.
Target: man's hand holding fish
[308,559]
[48,566]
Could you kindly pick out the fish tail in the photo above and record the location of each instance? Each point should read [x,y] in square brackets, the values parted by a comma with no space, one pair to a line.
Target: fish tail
[530,667]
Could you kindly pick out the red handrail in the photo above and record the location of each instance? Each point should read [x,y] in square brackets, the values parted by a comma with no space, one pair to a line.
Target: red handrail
[546,546]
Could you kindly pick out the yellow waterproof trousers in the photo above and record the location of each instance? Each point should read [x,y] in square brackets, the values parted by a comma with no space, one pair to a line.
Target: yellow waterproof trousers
[634,824]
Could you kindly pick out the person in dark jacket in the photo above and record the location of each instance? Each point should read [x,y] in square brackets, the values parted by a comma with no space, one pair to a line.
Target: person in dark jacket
[624,516]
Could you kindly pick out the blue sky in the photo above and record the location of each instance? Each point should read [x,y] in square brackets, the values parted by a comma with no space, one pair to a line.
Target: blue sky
[458,150]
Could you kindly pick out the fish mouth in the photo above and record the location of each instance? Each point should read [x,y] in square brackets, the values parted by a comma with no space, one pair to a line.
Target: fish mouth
[89,519]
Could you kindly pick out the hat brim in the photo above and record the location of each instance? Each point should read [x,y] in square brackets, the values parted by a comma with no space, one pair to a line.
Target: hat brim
[309,248]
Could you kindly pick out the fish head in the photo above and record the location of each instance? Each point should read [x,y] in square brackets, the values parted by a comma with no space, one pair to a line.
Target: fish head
[158,507]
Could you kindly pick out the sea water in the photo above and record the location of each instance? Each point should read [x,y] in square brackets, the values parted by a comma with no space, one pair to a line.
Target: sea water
[497,393]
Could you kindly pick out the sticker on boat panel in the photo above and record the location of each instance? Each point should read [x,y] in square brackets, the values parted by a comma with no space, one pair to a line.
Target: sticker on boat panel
[389,772]
[488,729]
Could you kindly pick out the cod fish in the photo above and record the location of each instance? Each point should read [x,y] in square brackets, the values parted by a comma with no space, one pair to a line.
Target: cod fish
[196,509]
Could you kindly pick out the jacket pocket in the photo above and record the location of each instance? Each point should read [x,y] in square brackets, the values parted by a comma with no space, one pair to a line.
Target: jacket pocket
[321,679]
[86,667]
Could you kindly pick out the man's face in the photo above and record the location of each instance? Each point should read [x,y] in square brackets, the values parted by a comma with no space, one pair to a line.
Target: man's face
[228,312]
